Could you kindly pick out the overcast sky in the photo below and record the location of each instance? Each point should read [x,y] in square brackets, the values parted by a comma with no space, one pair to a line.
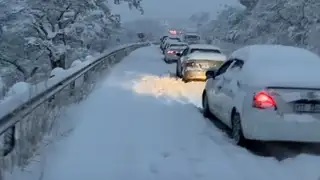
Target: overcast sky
[173,8]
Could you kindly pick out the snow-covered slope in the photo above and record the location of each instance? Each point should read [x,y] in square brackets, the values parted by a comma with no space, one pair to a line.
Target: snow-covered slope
[141,124]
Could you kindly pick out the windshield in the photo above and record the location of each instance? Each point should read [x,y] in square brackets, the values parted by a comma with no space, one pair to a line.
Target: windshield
[177,39]
[178,46]
[192,37]
[204,64]
[205,50]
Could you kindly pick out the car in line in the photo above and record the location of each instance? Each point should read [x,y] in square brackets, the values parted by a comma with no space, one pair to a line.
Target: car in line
[168,39]
[194,68]
[163,38]
[171,51]
[191,38]
[167,44]
[201,48]
[266,93]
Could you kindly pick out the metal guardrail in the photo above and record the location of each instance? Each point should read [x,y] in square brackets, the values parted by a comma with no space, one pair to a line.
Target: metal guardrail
[23,124]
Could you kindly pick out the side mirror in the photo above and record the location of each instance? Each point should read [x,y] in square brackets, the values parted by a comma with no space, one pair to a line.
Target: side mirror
[179,54]
[211,74]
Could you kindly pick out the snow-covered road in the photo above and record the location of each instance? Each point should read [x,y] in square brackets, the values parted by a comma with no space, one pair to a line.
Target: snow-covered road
[141,124]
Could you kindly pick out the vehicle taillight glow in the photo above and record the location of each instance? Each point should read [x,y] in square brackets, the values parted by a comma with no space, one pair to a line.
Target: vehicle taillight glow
[263,100]
[173,32]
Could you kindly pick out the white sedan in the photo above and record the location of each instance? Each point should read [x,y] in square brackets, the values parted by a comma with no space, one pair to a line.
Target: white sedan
[266,93]
[195,66]
[199,48]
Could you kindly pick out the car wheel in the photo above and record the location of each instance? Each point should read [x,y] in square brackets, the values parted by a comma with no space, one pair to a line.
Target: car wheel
[185,79]
[205,105]
[236,130]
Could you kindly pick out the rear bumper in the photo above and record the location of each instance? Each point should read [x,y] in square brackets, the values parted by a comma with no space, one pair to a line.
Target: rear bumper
[194,75]
[171,57]
[271,126]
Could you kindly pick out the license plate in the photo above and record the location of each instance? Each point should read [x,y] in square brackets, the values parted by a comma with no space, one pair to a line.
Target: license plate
[204,66]
[307,108]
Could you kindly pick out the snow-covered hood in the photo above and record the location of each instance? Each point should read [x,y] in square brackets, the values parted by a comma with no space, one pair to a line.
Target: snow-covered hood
[207,56]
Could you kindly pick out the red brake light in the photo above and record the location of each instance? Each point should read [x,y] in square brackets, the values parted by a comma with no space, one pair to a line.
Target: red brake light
[173,32]
[263,100]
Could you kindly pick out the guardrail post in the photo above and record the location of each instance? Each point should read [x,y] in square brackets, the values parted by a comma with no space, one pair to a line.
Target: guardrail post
[9,141]
[51,101]
[126,53]
[86,77]
[105,63]
[72,88]
[116,58]
[112,59]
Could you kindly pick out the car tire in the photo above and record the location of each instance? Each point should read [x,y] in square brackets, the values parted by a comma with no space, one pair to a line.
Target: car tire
[185,80]
[205,106]
[236,130]
[177,70]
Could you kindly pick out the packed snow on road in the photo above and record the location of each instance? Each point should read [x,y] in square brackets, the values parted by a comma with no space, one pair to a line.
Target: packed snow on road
[143,124]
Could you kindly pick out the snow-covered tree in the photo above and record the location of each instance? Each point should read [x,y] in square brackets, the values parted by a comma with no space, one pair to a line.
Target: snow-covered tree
[202,17]
[152,28]
[38,35]
[288,22]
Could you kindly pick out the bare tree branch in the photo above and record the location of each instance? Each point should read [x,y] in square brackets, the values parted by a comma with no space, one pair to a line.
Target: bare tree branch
[284,19]
[17,66]
[61,14]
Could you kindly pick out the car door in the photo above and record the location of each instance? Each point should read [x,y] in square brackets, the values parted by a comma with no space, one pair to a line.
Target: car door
[229,89]
[183,56]
[214,91]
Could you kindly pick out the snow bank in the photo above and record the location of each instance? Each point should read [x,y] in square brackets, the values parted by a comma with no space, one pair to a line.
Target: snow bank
[57,72]
[76,63]
[19,88]
[19,92]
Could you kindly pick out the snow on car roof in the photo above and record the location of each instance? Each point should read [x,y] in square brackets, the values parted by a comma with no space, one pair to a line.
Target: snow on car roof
[203,46]
[207,56]
[267,53]
[278,65]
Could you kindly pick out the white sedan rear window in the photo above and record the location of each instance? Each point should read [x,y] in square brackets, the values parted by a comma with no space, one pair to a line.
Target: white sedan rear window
[206,51]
